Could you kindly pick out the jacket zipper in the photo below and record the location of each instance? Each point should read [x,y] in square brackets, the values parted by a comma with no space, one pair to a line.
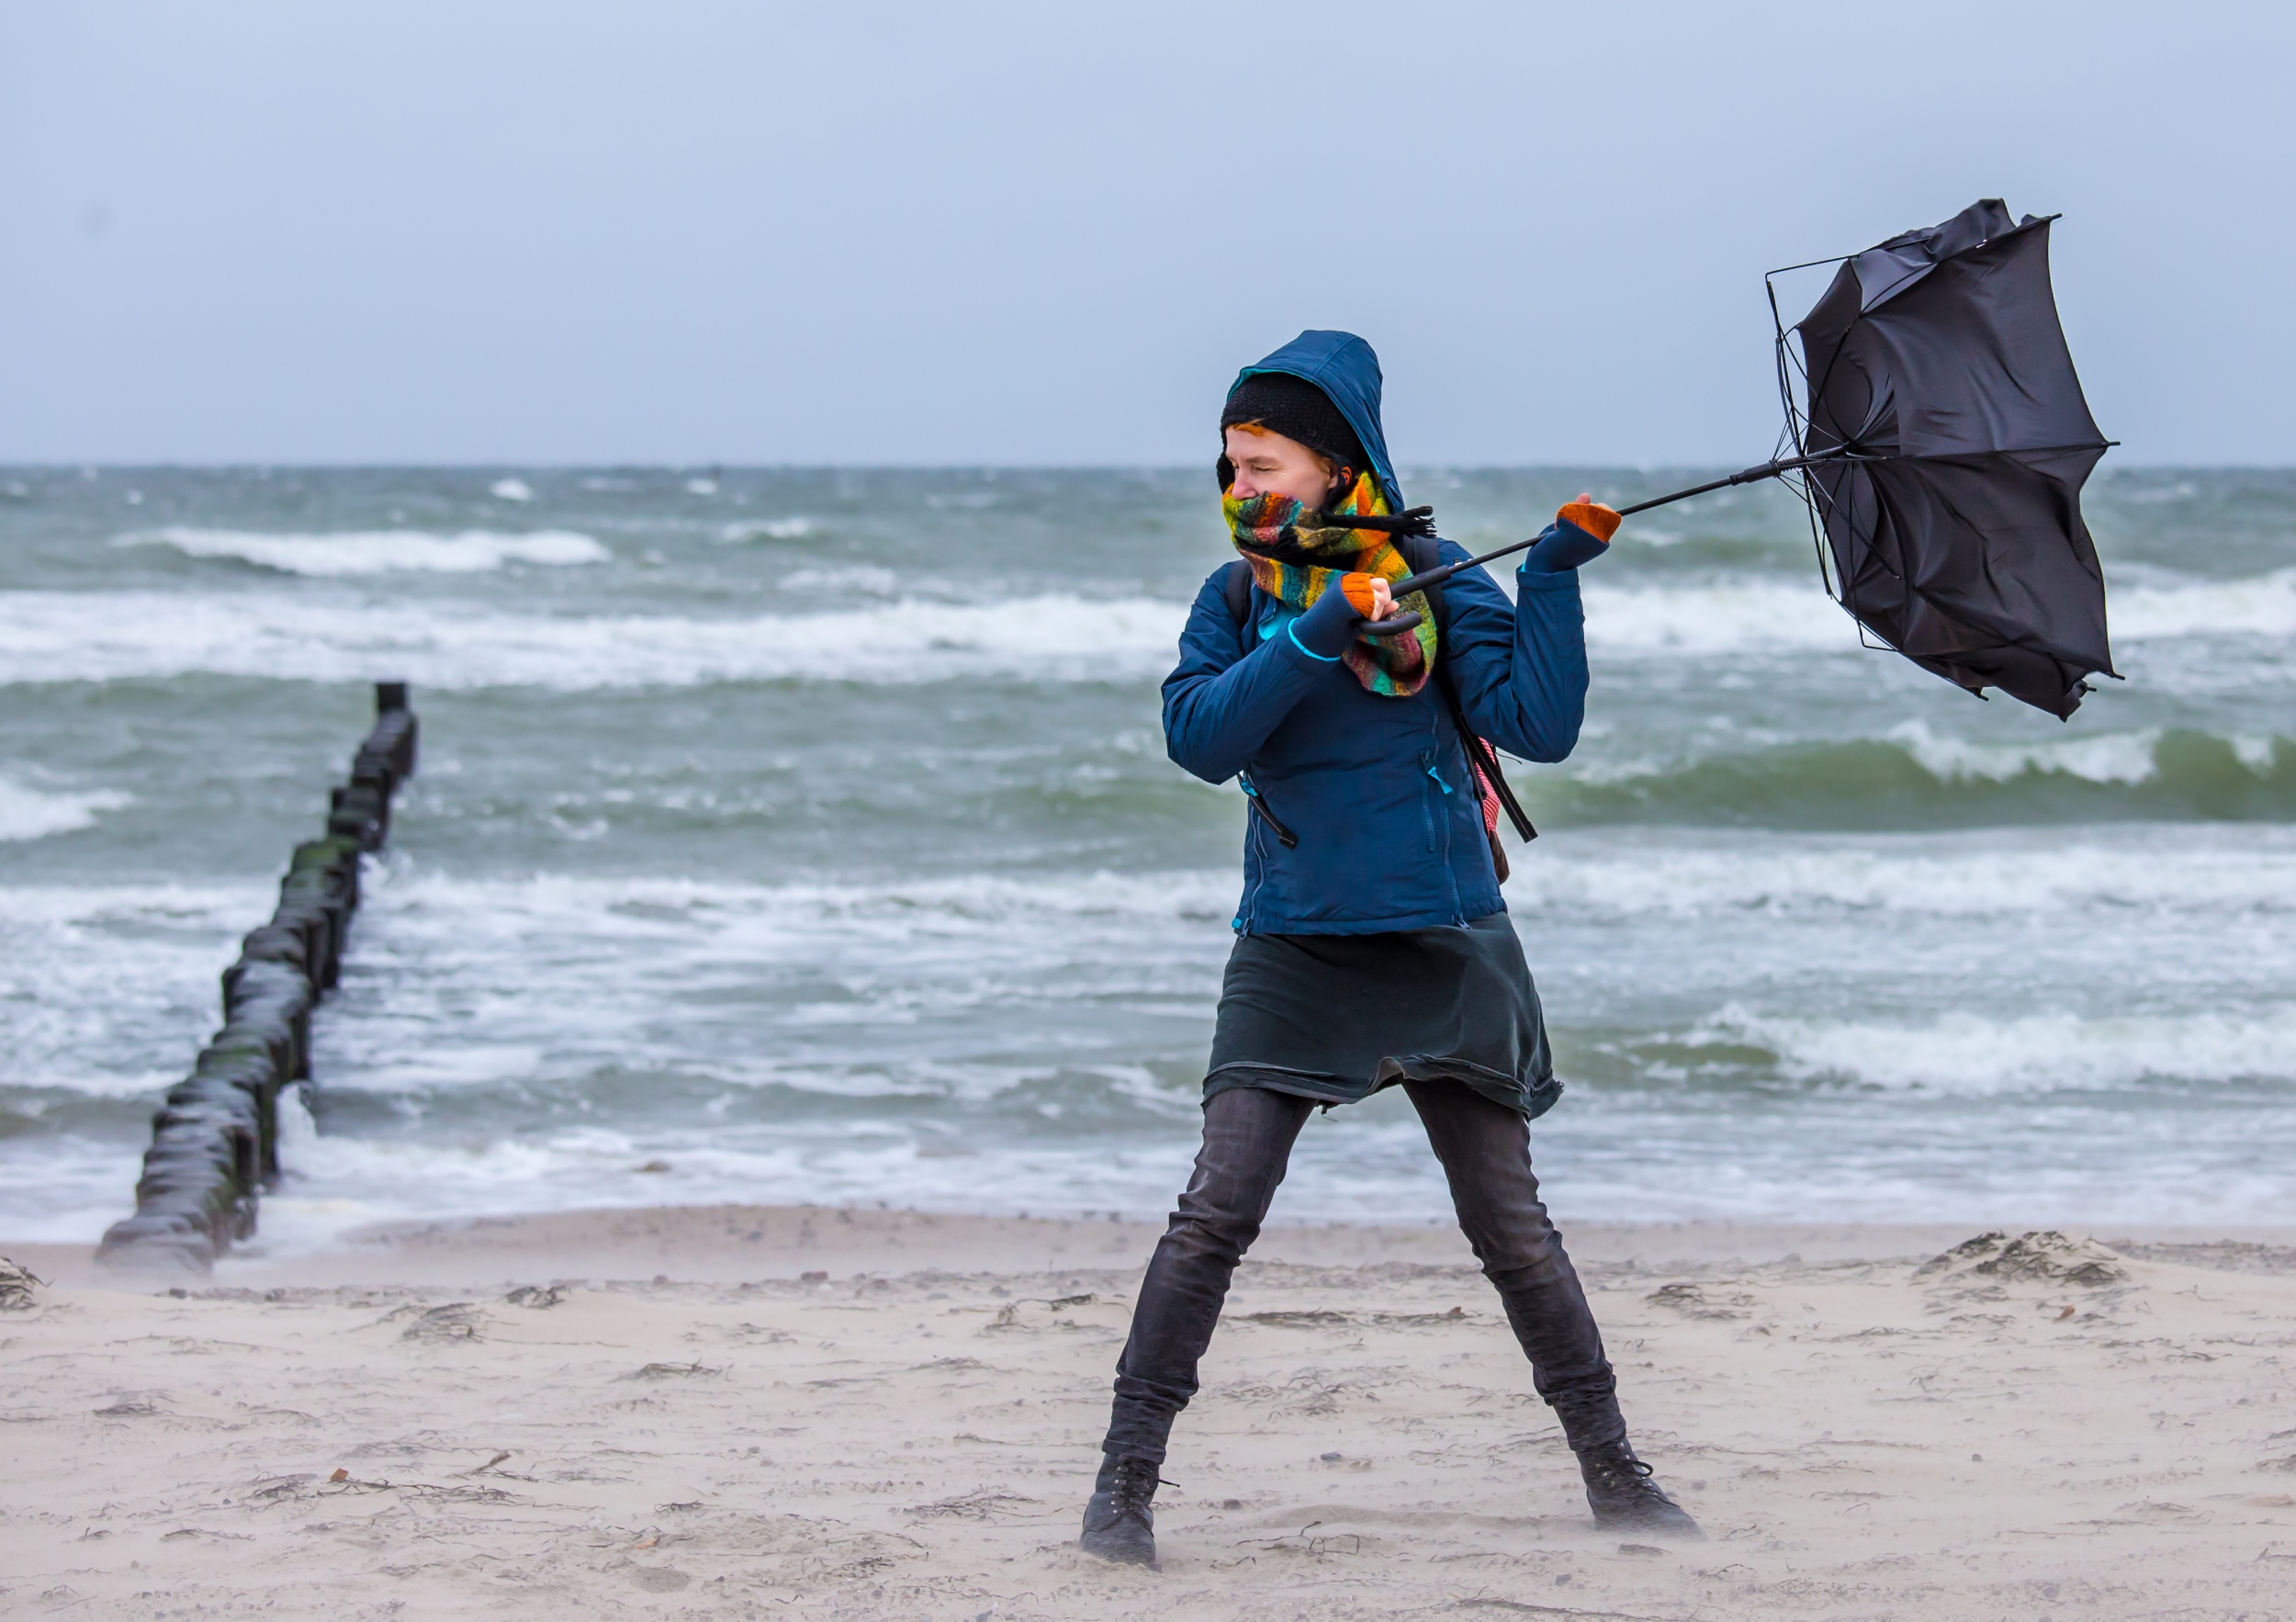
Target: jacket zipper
[1428,806]
[1437,813]
[1289,840]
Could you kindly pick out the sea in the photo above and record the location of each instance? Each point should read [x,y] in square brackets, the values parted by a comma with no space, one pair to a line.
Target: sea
[791,836]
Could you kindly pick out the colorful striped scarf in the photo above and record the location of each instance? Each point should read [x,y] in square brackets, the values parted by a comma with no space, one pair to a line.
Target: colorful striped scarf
[1297,554]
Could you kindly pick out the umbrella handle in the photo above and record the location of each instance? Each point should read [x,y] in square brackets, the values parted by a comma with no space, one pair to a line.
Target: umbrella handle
[1395,624]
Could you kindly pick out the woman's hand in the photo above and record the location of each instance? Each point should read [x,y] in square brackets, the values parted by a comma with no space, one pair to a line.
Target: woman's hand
[1368,595]
[1590,515]
[1335,617]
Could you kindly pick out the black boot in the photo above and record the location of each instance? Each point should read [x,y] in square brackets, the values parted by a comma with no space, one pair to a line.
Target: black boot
[1621,1493]
[1121,1521]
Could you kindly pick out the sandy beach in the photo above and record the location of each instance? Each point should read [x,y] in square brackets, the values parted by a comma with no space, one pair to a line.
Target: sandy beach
[736,1412]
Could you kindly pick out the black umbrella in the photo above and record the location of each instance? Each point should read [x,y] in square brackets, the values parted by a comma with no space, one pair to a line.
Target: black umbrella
[1942,452]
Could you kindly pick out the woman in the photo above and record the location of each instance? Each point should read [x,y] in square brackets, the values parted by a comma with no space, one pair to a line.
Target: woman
[1372,945]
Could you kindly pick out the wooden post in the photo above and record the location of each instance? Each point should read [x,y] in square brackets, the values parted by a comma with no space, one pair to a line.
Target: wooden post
[215,1140]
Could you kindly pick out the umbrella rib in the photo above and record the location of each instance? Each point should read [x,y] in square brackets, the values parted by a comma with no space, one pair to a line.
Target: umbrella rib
[1813,387]
[1788,365]
[1808,263]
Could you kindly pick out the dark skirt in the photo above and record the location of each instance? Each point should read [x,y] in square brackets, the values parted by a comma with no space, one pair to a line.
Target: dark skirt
[1336,1017]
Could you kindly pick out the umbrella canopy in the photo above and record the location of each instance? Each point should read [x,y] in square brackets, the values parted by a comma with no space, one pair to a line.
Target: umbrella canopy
[1947,441]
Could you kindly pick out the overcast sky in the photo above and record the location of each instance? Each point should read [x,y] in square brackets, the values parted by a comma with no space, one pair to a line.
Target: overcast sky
[487,230]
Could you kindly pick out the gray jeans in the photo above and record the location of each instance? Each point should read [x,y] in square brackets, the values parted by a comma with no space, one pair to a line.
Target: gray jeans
[1486,1155]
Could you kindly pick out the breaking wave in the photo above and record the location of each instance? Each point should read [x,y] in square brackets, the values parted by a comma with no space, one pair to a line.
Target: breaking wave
[111,988]
[379,551]
[2254,605]
[34,814]
[2116,873]
[1054,637]
[1777,611]
[1973,1054]
[109,636]
[1913,777]
[1729,617]
[767,529]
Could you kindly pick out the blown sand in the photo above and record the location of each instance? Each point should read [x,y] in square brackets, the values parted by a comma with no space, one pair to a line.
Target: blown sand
[655,1412]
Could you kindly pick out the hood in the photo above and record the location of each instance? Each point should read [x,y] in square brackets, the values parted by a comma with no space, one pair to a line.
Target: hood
[1344,366]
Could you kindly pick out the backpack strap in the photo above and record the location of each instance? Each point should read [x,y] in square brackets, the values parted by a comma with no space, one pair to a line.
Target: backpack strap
[1235,584]
[1423,553]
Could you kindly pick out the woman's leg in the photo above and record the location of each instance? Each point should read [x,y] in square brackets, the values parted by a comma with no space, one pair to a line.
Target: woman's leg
[1486,1154]
[1248,1134]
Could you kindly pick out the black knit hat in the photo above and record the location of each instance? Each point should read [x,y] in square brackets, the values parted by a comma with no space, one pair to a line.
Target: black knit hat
[1296,409]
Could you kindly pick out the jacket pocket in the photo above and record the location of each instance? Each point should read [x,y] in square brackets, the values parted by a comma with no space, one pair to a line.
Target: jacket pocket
[1255,873]
[1289,840]
[1434,792]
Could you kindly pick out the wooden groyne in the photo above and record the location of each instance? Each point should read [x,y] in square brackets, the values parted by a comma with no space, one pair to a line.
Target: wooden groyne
[215,1140]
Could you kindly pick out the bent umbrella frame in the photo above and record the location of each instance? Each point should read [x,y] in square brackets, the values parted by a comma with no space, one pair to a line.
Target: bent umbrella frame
[1939,452]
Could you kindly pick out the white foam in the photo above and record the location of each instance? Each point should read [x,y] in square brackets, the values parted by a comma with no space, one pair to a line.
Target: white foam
[1727,616]
[568,968]
[847,579]
[107,990]
[63,1188]
[334,1185]
[381,551]
[2260,755]
[2116,758]
[975,928]
[29,813]
[969,902]
[510,490]
[569,971]
[1058,637]
[771,529]
[2110,756]
[2255,606]
[2052,880]
[700,487]
[94,906]
[109,636]
[1780,611]
[1973,1054]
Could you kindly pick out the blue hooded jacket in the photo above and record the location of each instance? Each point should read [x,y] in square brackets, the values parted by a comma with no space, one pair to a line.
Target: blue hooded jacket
[1376,789]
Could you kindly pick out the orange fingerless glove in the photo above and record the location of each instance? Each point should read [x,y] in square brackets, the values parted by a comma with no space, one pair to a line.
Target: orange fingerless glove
[1597,520]
[1357,588]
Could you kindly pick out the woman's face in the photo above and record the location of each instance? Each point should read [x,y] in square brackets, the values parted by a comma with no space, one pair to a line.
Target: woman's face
[1269,465]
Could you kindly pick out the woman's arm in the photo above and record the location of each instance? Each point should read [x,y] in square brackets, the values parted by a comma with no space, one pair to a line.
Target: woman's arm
[1220,704]
[1520,668]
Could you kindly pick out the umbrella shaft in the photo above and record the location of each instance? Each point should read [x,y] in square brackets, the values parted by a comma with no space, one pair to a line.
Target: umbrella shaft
[1767,471]
[1435,577]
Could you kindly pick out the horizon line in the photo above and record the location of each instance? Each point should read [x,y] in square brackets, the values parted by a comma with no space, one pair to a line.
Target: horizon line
[83,465]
